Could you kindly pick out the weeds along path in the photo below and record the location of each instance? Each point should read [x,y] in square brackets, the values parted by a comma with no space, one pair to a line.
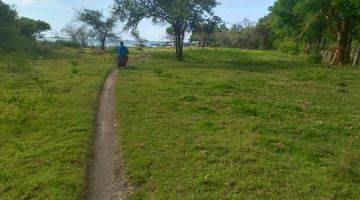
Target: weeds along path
[105,179]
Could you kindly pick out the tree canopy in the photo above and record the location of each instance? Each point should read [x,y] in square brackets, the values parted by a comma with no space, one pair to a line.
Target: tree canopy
[15,31]
[77,33]
[204,30]
[8,28]
[181,15]
[318,22]
[30,28]
[102,28]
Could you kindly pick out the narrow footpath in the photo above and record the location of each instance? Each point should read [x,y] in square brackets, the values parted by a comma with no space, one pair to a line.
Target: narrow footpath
[104,176]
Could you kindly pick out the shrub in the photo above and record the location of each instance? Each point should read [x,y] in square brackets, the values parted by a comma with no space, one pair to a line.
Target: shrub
[75,70]
[46,48]
[289,46]
[313,58]
[74,63]
[71,44]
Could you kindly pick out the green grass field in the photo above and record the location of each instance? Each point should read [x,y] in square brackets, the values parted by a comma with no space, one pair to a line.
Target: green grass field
[234,124]
[47,121]
[224,124]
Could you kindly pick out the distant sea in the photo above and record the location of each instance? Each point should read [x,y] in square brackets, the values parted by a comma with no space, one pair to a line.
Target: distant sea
[110,43]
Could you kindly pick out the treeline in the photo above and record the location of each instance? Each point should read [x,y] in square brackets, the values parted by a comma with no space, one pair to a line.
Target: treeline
[326,30]
[18,33]
[93,26]
[246,34]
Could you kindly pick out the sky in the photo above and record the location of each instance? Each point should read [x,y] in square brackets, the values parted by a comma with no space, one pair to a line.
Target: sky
[59,13]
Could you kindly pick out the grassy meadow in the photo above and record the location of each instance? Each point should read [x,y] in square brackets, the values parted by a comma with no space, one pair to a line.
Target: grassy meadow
[236,124]
[47,115]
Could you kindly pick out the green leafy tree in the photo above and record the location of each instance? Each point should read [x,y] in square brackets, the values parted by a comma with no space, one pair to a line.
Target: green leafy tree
[357,44]
[312,21]
[18,34]
[170,34]
[245,34]
[101,28]
[8,26]
[30,28]
[286,20]
[181,15]
[8,16]
[263,34]
[336,16]
[344,14]
[204,31]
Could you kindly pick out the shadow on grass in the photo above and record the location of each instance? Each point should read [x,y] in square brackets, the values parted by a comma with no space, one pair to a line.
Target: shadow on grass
[235,59]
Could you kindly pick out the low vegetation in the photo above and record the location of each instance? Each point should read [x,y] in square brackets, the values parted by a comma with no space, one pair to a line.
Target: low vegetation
[236,124]
[216,123]
[47,117]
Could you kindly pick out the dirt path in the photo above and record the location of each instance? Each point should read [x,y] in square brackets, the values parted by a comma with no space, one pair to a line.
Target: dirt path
[105,179]
[104,176]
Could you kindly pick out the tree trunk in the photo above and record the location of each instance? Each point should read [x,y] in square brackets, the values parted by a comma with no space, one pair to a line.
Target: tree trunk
[356,56]
[179,53]
[202,44]
[102,41]
[348,49]
[343,31]
[307,48]
[83,42]
[316,49]
[179,43]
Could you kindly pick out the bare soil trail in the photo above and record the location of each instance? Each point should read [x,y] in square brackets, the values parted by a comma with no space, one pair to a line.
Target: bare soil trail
[105,178]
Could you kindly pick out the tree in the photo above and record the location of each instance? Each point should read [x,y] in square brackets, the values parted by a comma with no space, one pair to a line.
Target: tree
[204,31]
[245,34]
[170,34]
[221,36]
[357,47]
[30,28]
[8,16]
[181,15]
[263,34]
[8,27]
[83,35]
[70,31]
[101,28]
[345,13]
[79,34]
[140,41]
[286,20]
[18,33]
[312,21]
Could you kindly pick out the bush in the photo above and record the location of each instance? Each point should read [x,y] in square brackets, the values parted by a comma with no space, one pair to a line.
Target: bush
[71,44]
[74,63]
[46,48]
[313,58]
[289,46]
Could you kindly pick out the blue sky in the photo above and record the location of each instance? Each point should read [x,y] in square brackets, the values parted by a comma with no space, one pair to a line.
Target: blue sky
[61,12]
